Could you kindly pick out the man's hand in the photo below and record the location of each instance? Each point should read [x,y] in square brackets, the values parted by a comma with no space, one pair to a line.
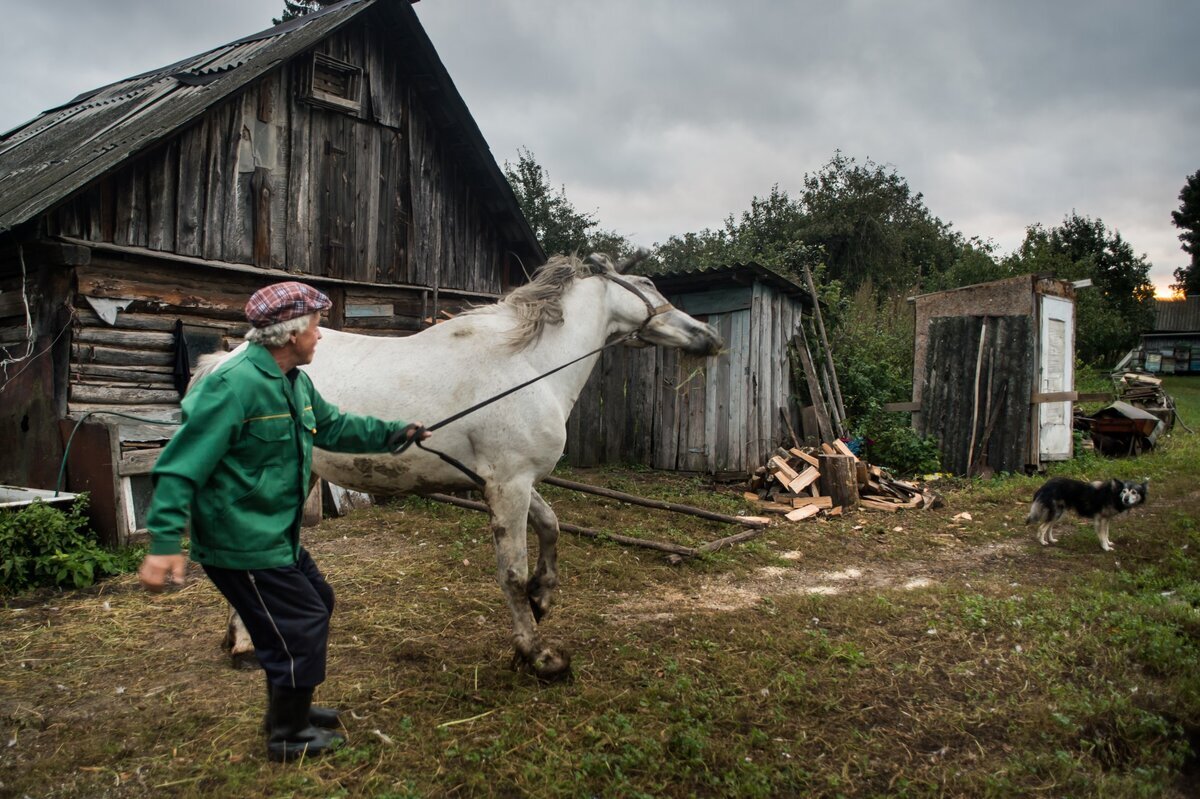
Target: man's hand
[400,439]
[158,571]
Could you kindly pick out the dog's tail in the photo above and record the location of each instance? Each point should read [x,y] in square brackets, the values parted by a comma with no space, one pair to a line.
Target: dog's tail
[1036,512]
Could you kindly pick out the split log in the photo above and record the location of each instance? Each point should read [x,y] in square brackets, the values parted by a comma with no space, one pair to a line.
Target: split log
[875,504]
[633,499]
[804,456]
[839,480]
[804,480]
[817,502]
[782,471]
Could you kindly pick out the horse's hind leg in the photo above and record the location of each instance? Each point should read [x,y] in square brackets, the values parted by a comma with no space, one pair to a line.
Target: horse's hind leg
[509,506]
[545,579]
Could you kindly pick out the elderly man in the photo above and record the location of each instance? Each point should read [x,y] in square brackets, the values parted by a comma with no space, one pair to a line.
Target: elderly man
[237,471]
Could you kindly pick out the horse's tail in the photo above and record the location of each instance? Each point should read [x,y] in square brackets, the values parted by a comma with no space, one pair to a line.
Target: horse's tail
[208,363]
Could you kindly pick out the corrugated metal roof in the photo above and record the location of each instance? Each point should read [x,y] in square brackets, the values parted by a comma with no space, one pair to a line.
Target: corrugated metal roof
[65,148]
[60,151]
[1177,316]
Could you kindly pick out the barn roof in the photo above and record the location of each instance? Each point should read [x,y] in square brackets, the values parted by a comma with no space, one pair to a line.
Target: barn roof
[701,278]
[46,160]
[1177,316]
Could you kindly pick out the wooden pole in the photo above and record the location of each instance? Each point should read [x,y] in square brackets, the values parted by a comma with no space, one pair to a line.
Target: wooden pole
[661,546]
[839,480]
[633,499]
[824,427]
[812,289]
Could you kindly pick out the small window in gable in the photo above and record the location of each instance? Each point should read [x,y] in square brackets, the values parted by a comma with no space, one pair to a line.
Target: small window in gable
[334,84]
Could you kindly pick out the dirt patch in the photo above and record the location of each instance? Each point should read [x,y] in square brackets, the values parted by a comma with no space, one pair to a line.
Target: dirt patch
[729,593]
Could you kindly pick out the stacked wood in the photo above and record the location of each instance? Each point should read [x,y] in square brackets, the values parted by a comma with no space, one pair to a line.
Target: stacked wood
[1146,392]
[805,482]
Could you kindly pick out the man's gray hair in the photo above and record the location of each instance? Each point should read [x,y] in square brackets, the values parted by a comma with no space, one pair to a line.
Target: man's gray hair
[277,335]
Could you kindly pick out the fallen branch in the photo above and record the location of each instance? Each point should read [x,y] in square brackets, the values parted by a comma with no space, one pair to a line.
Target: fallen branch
[633,499]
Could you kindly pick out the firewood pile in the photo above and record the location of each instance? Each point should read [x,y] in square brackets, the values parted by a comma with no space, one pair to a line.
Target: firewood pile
[1146,392]
[790,484]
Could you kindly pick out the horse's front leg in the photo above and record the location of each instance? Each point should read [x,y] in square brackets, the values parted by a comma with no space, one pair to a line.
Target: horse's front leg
[237,641]
[545,579]
[509,506]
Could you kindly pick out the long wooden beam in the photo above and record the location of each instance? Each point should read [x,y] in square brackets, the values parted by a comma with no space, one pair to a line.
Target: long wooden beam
[633,499]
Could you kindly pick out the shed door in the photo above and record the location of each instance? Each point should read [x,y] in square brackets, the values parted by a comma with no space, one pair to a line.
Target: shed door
[1056,372]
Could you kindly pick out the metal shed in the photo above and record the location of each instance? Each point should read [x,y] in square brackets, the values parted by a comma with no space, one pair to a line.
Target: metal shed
[993,373]
[662,409]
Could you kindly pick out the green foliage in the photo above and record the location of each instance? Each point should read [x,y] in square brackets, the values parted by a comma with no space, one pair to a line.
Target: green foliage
[1118,307]
[293,9]
[1187,219]
[862,221]
[559,227]
[41,545]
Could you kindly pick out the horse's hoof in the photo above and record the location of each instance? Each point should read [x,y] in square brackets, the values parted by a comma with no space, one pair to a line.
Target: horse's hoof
[551,666]
[244,661]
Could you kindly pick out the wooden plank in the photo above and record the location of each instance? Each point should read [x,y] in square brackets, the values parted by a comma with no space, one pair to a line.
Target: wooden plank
[138,462]
[875,504]
[802,513]
[820,502]
[1040,397]
[137,339]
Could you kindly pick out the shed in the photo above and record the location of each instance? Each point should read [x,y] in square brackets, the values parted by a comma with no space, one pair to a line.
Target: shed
[993,373]
[136,219]
[1173,346]
[718,416]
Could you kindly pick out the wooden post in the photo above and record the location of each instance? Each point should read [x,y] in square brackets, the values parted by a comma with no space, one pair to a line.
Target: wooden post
[839,480]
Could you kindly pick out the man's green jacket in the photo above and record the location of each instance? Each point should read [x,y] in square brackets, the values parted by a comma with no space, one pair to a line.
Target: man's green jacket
[238,467]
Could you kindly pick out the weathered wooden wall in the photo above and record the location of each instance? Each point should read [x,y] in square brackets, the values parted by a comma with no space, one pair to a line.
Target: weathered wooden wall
[978,381]
[269,179]
[675,412]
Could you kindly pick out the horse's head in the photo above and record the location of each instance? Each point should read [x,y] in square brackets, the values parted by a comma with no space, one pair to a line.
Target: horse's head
[639,307]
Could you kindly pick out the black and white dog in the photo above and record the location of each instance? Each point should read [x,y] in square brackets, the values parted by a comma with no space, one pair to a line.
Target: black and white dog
[1099,500]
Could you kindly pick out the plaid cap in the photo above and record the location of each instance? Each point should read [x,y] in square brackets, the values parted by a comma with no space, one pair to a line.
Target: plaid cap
[280,302]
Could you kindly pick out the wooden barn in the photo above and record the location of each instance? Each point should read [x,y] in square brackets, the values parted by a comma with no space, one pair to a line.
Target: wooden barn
[136,219]
[1173,346]
[719,416]
[994,373]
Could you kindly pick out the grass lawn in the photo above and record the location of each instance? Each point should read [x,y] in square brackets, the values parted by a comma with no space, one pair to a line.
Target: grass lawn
[918,653]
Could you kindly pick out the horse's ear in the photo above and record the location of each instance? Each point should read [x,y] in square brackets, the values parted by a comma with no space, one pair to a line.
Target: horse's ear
[639,255]
[598,263]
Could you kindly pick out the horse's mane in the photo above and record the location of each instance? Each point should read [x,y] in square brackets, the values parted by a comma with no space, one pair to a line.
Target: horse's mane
[539,302]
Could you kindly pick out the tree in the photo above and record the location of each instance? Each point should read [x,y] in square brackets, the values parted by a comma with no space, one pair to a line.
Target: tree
[559,227]
[298,8]
[873,227]
[1112,313]
[1187,219]
[862,221]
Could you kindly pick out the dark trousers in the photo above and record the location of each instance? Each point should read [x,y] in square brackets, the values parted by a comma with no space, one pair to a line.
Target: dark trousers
[286,611]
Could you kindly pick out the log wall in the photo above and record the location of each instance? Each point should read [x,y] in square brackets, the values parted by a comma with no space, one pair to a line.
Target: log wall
[270,179]
[675,412]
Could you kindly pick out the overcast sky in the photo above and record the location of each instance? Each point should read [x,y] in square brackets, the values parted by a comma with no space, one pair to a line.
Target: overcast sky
[665,116]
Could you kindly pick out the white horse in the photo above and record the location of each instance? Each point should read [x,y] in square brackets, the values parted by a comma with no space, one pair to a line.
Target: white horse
[569,309]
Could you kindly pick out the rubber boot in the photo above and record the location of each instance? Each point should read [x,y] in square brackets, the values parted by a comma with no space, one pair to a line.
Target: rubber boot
[318,716]
[289,733]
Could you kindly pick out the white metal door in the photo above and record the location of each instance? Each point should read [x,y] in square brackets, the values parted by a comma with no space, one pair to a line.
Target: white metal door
[1056,372]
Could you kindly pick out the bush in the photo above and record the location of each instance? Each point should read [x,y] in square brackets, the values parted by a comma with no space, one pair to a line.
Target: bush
[41,545]
[893,444]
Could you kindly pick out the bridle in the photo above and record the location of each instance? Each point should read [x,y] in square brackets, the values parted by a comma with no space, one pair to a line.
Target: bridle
[652,311]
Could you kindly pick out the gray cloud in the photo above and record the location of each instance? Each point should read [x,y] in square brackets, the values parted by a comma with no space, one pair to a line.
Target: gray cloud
[664,117]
